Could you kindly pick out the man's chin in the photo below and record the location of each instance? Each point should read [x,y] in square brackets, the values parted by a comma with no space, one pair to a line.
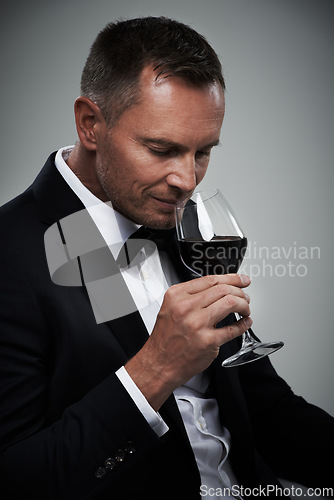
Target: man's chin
[159,225]
[151,221]
[158,222]
[153,218]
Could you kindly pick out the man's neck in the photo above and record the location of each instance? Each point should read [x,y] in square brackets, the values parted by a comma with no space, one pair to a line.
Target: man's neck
[83,165]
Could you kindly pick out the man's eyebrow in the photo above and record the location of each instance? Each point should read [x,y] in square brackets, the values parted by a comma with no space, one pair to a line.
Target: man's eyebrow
[173,144]
[213,144]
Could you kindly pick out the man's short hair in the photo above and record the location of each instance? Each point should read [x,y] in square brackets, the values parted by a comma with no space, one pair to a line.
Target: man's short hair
[121,50]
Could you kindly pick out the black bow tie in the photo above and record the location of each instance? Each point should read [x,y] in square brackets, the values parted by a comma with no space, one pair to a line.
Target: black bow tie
[161,237]
[141,238]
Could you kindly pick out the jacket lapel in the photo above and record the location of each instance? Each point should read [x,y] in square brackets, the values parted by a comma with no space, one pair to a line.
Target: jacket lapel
[130,331]
[54,198]
[228,392]
[226,386]
[55,201]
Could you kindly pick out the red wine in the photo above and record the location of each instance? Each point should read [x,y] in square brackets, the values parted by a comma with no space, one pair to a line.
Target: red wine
[221,255]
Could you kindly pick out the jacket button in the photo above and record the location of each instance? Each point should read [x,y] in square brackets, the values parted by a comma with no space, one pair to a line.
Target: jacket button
[100,472]
[130,448]
[120,455]
[110,463]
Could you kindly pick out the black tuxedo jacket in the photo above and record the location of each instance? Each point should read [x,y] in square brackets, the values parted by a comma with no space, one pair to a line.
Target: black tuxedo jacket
[68,428]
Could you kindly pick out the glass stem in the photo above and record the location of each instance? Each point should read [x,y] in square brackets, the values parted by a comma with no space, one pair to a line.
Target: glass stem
[247,339]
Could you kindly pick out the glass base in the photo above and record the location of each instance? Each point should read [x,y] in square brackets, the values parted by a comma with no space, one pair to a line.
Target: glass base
[251,353]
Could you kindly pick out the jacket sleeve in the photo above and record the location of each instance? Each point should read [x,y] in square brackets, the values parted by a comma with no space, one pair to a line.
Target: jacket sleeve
[295,437]
[91,446]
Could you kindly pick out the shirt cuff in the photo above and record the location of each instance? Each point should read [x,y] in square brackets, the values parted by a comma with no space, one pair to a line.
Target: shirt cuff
[152,418]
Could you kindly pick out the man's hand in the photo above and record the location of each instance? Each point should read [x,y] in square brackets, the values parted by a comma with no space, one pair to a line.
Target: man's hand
[184,340]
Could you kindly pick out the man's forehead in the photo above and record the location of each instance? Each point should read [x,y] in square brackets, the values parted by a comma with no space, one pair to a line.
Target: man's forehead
[172,108]
[152,82]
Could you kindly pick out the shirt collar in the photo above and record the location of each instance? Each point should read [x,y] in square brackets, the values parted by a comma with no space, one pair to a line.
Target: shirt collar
[114,227]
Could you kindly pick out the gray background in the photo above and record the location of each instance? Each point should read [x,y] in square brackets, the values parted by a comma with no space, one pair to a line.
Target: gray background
[275,164]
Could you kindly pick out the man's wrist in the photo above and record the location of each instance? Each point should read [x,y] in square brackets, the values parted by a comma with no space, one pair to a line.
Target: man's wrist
[152,417]
[149,379]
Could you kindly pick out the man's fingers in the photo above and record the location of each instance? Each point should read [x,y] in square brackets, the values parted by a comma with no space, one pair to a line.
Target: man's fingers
[217,292]
[205,282]
[219,295]
[230,332]
[226,305]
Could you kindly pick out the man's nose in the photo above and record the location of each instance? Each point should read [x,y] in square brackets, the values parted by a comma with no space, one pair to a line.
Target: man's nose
[183,175]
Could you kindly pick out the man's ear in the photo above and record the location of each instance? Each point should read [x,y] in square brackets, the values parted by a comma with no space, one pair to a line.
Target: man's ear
[88,119]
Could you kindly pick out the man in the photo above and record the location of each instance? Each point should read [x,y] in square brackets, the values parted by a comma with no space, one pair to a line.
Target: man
[136,405]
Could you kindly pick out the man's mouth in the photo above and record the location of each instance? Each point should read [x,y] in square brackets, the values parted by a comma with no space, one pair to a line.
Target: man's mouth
[167,203]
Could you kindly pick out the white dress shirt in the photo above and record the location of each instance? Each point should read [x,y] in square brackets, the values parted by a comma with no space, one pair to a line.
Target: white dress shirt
[148,277]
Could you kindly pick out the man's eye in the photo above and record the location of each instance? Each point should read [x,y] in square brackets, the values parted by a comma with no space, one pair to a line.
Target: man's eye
[203,153]
[160,152]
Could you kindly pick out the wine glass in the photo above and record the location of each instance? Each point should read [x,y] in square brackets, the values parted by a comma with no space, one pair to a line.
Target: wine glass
[211,241]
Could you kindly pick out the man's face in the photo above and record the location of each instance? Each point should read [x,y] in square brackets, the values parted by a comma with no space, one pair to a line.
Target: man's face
[158,151]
